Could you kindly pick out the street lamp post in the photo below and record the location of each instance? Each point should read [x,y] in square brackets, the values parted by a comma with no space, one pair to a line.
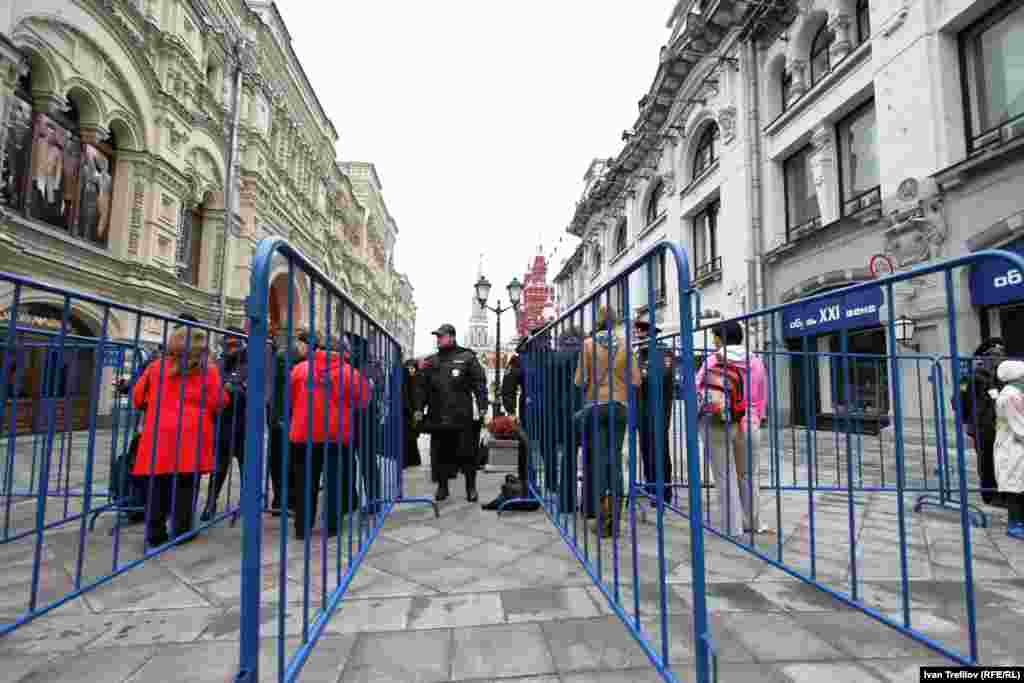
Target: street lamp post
[483,290]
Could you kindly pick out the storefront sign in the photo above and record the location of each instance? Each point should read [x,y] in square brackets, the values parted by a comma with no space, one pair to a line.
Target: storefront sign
[841,312]
[995,282]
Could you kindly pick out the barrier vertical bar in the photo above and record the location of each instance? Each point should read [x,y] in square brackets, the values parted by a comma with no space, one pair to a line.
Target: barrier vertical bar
[965,527]
[252,508]
[897,405]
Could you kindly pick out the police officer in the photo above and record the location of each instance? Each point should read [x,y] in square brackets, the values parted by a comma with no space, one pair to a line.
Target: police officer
[645,406]
[451,379]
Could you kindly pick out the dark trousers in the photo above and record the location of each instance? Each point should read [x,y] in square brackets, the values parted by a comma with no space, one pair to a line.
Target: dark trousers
[648,455]
[228,449]
[602,465]
[1014,507]
[168,492]
[452,452]
[365,444]
[275,462]
[339,484]
[985,443]
[412,448]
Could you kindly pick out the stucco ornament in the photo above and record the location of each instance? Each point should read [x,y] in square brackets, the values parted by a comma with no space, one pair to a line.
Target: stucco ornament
[914,240]
[727,123]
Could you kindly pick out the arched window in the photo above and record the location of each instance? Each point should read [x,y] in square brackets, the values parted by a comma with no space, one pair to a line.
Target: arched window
[621,237]
[190,243]
[820,64]
[655,201]
[706,154]
[51,174]
[863,22]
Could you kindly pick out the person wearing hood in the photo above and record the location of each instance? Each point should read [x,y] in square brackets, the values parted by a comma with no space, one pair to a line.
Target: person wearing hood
[326,395]
[367,436]
[231,428]
[734,440]
[1009,444]
[649,436]
[977,401]
[453,383]
[412,447]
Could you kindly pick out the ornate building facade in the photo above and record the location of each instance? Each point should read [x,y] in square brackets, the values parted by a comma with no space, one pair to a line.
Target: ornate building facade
[785,144]
[117,124]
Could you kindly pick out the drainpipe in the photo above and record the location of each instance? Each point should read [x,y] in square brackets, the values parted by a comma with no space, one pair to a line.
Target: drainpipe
[229,183]
[755,260]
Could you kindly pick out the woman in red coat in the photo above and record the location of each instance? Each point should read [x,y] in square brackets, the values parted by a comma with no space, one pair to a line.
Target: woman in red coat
[181,395]
[335,392]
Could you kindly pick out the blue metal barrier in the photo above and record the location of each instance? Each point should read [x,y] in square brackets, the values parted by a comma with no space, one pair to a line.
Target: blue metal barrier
[339,416]
[65,434]
[590,397]
[835,428]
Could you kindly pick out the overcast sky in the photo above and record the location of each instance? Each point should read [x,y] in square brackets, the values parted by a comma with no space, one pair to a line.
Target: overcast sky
[481,118]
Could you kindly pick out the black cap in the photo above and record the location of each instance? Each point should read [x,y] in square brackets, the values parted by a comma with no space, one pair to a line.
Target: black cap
[644,325]
[447,328]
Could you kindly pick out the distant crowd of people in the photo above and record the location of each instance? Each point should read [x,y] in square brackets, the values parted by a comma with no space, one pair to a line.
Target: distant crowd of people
[573,395]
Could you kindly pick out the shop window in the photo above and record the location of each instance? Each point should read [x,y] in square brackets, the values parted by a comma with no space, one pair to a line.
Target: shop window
[858,155]
[801,198]
[705,156]
[51,175]
[705,241]
[655,202]
[859,381]
[863,22]
[993,58]
[820,60]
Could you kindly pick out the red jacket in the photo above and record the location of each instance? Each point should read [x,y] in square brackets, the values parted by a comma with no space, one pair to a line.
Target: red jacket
[338,390]
[191,449]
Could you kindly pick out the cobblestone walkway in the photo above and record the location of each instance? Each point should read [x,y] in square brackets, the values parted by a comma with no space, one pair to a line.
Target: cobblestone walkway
[471,597]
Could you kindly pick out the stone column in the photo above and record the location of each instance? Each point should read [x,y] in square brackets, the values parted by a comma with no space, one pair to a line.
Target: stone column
[11,63]
[823,170]
[842,44]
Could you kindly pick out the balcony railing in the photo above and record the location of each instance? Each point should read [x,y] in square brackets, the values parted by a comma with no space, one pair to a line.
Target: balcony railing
[1001,134]
[708,269]
[864,200]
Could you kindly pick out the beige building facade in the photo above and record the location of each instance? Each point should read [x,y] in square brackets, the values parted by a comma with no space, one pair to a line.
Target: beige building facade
[787,145]
[117,129]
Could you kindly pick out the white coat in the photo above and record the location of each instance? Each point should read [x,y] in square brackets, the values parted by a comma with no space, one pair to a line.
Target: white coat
[1009,447]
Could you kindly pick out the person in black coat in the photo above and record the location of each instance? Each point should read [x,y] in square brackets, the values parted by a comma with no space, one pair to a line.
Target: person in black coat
[231,423]
[412,445]
[452,379]
[979,413]
[649,435]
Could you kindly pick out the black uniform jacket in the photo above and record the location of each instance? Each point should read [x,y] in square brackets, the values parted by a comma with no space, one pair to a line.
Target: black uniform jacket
[449,382]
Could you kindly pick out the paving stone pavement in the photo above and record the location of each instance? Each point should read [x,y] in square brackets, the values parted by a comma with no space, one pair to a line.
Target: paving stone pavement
[473,597]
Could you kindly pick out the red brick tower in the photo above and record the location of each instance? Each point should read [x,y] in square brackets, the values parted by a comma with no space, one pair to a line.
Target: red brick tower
[536,294]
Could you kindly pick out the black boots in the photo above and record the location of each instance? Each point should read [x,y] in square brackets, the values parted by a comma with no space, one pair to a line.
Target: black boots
[471,494]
